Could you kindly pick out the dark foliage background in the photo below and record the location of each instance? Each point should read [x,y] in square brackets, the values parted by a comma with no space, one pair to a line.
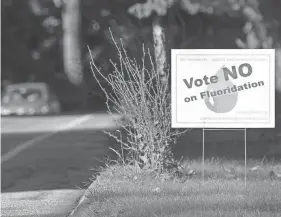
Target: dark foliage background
[32,35]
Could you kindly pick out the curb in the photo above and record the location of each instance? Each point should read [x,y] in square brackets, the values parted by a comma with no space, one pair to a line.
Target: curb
[81,201]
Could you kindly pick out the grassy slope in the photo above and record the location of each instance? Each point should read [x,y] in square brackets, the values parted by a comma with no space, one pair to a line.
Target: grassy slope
[125,191]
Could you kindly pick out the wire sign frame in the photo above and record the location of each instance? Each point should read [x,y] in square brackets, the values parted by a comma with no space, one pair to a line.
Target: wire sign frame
[245,151]
[223,89]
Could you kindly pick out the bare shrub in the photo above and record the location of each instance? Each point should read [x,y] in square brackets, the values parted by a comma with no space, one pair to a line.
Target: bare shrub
[138,95]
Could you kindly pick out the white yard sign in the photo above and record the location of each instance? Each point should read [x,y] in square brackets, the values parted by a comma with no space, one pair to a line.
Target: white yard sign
[223,88]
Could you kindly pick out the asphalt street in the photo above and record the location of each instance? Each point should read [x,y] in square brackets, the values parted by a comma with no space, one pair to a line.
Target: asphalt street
[40,154]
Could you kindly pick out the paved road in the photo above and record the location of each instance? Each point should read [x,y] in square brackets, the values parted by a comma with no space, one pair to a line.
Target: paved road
[48,153]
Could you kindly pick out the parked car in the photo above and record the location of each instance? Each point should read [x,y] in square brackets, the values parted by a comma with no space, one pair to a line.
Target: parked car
[29,99]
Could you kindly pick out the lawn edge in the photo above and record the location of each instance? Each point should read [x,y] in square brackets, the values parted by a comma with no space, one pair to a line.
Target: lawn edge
[81,201]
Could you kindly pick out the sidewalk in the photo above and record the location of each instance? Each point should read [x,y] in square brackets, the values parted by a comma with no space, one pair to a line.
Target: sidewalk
[52,203]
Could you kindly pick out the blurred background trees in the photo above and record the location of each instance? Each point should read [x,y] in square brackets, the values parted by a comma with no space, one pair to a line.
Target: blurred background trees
[46,40]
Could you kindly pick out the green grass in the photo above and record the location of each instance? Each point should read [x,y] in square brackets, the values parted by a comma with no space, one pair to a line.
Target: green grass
[126,191]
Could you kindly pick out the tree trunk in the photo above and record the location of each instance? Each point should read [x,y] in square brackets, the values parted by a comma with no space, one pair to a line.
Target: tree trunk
[71,21]
[159,49]
[71,43]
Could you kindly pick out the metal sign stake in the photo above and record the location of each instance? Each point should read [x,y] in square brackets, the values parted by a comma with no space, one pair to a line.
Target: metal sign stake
[245,151]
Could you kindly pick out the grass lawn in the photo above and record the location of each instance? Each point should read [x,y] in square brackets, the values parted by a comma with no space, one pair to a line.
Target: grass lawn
[126,191]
